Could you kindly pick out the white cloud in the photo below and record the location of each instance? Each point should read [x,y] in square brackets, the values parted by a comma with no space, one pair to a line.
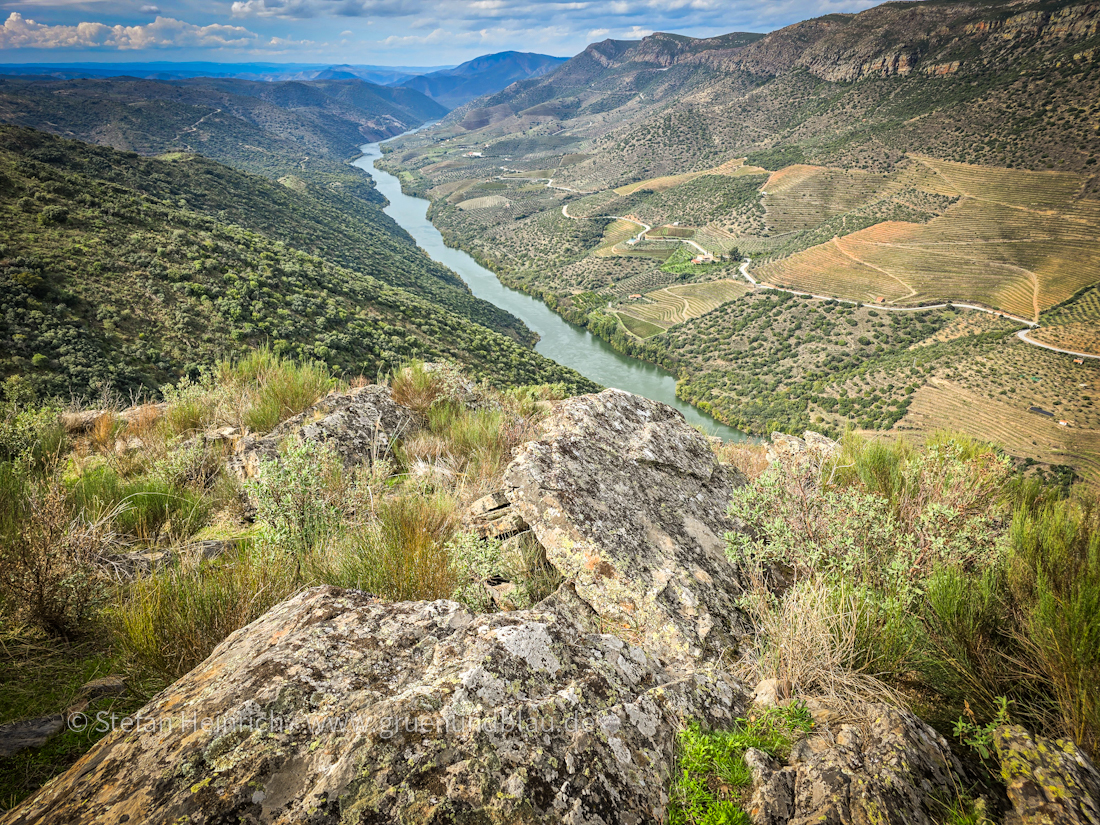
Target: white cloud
[164,32]
[150,10]
[297,9]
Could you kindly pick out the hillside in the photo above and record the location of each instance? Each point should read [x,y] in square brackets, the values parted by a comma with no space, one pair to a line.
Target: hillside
[309,128]
[913,154]
[120,273]
[481,76]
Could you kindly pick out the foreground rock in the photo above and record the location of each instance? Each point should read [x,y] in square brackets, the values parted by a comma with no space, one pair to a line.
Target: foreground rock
[630,504]
[361,426]
[888,772]
[1049,782]
[334,707]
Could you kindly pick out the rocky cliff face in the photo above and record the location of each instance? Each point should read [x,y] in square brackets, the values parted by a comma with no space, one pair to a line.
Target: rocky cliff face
[892,39]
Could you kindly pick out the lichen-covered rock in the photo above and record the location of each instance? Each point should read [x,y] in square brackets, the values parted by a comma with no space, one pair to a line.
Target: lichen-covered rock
[334,707]
[630,504]
[889,774]
[1050,782]
[800,452]
[361,426]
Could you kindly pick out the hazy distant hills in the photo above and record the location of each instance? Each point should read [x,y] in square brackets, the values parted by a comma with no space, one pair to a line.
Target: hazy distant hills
[167,70]
[482,76]
[309,128]
[450,86]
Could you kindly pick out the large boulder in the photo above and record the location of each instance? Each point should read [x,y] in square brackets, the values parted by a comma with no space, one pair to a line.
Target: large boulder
[1050,782]
[361,425]
[630,504]
[335,707]
[889,771]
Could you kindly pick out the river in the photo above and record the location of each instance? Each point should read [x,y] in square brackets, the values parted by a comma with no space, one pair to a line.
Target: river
[559,340]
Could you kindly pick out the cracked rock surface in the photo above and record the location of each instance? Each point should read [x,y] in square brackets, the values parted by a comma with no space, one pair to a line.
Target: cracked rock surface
[630,504]
[334,707]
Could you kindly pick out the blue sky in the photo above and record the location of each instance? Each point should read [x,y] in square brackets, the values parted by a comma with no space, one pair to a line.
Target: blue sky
[381,32]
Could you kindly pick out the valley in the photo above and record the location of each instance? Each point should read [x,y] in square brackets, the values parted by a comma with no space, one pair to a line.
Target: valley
[698,429]
[809,240]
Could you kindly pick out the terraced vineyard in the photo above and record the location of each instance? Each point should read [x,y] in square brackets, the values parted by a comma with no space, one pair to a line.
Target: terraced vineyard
[617,232]
[675,304]
[638,327]
[801,197]
[1017,241]
[946,405]
[1074,325]
[827,270]
[732,168]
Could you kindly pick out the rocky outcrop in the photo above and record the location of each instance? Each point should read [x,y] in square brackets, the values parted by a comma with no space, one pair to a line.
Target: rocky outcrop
[1049,782]
[812,447]
[629,503]
[885,773]
[334,708]
[361,426]
[896,39]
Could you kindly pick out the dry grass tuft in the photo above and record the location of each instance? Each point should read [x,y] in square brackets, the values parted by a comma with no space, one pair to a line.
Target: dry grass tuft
[809,638]
[751,460]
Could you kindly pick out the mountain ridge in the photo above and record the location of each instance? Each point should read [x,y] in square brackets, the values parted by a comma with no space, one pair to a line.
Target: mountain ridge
[482,75]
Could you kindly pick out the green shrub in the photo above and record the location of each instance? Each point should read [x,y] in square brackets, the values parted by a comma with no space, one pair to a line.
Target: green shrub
[299,501]
[195,405]
[31,435]
[53,215]
[712,774]
[48,556]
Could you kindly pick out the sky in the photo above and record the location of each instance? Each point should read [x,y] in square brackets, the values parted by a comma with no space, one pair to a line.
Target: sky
[375,32]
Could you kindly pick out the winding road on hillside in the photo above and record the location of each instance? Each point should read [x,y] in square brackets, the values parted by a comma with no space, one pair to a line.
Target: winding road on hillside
[1022,335]
[744,269]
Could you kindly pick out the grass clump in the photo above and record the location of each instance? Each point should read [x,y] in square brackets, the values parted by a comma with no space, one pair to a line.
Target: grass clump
[256,391]
[402,554]
[470,432]
[713,776]
[168,623]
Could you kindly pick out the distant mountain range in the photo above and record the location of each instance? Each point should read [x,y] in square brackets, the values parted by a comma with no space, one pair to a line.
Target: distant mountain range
[449,86]
[163,70]
[482,76]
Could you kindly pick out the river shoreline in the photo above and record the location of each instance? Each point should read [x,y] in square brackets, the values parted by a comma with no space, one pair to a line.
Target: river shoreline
[559,339]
